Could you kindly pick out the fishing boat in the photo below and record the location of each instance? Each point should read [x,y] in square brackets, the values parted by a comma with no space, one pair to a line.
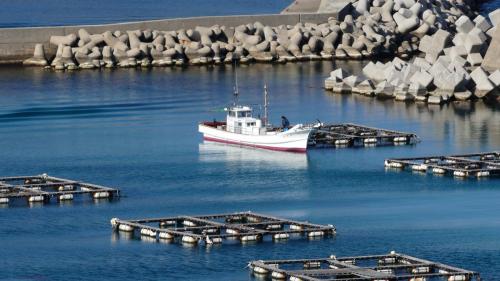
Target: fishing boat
[242,128]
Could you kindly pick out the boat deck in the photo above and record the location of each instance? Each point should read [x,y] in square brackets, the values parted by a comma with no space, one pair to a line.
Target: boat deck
[42,188]
[393,266]
[214,229]
[462,166]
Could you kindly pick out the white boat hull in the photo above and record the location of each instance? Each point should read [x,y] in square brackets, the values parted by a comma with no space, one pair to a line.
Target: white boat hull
[294,140]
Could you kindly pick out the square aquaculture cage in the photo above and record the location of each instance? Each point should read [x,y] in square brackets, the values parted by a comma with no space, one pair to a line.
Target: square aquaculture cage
[352,135]
[461,166]
[393,266]
[214,229]
[44,188]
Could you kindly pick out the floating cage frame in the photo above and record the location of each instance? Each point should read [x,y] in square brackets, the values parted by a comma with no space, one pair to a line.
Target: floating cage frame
[393,266]
[214,229]
[42,188]
[353,135]
[462,166]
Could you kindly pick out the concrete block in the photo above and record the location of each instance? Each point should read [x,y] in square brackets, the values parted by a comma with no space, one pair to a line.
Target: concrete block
[491,60]
[435,100]
[462,95]
[473,44]
[458,51]
[339,74]
[495,78]
[475,59]
[464,24]
[483,84]
[422,78]
[482,23]
[422,63]
[374,72]
[353,80]
[495,17]
[384,90]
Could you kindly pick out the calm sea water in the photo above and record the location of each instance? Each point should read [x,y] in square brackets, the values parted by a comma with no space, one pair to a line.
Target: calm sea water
[21,13]
[137,130]
[71,12]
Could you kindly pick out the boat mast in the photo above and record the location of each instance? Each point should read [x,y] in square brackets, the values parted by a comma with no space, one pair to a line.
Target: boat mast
[236,91]
[265,105]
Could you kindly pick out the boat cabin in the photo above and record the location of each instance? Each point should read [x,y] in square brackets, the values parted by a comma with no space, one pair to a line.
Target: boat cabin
[240,120]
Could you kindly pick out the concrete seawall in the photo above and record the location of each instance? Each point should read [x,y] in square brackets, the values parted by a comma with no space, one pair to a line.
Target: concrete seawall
[17,44]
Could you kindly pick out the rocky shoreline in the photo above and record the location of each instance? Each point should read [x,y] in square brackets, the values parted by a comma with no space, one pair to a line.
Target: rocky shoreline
[457,58]
[440,47]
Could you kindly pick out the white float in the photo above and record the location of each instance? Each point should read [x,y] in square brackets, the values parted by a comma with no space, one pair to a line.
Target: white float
[341,142]
[66,197]
[101,194]
[280,236]
[125,227]
[67,187]
[260,270]
[393,164]
[388,260]
[189,239]
[278,275]
[168,223]
[438,171]
[370,140]
[4,200]
[148,232]
[312,264]
[418,279]
[215,240]
[460,174]
[388,271]
[296,227]
[457,278]
[36,198]
[315,234]
[400,139]
[419,168]
[248,238]
[420,269]
[293,278]
[232,231]
[273,226]
[189,223]
[483,174]
[165,235]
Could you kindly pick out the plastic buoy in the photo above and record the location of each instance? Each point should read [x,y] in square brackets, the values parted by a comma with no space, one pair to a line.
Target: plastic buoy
[36,198]
[296,227]
[483,174]
[165,235]
[189,239]
[101,194]
[66,197]
[248,238]
[260,270]
[188,223]
[460,174]
[315,233]
[419,168]
[280,236]
[278,275]
[4,200]
[439,171]
[457,278]
[125,227]
[232,231]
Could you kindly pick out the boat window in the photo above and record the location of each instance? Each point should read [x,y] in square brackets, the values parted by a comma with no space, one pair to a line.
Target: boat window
[232,113]
[244,114]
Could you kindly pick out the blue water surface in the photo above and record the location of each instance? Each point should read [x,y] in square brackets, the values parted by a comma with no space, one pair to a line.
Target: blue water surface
[22,13]
[136,129]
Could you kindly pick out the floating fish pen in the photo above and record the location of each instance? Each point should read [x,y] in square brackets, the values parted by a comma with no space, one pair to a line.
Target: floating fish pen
[214,229]
[43,188]
[463,166]
[393,266]
[352,135]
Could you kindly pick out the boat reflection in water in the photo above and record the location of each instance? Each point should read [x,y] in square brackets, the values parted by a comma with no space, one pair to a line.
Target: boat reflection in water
[219,152]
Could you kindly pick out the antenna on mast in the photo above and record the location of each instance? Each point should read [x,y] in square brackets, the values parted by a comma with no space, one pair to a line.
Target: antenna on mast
[236,91]
[265,105]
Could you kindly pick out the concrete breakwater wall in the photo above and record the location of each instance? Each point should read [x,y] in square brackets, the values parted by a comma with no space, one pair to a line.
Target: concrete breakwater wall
[18,44]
